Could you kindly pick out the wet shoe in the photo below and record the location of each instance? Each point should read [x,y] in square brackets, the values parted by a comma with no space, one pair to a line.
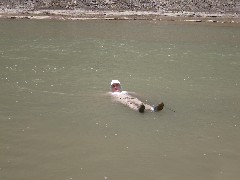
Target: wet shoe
[141,108]
[159,107]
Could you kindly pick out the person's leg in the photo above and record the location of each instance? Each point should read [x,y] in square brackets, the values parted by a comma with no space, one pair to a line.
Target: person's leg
[136,104]
[130,101]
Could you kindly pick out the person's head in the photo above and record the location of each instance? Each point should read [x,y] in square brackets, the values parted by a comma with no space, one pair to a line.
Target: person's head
[116,86]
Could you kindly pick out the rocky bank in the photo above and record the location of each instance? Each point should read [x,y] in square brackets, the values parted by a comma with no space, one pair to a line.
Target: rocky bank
[187,10]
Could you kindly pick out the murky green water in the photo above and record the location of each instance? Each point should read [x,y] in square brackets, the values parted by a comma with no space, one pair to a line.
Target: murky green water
[56,121]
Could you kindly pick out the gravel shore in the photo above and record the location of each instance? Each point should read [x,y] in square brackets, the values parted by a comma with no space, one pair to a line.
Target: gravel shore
[221,11]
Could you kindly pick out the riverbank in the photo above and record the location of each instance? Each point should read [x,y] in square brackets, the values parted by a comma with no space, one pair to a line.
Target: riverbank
[218,11]
[79,14]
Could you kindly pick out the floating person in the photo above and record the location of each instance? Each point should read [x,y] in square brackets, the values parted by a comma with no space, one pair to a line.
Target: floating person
[125,98]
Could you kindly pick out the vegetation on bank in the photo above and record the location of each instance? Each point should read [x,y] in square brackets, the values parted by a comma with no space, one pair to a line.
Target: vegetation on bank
[223,6]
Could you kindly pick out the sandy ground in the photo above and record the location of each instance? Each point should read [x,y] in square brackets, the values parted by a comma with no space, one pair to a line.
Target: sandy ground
[79,14]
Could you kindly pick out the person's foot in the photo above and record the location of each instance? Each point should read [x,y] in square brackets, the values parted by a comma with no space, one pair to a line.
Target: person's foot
[141,108]
[159,107]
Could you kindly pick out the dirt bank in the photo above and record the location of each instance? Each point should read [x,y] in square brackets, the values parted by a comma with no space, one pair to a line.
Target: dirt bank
[221,11]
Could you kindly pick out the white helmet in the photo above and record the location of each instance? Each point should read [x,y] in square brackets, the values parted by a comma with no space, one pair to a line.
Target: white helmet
[115,82]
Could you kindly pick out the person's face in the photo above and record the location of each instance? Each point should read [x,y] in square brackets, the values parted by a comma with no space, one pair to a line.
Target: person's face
[116,87]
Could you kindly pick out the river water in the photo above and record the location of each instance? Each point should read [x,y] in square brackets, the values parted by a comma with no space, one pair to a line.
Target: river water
[56,121]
